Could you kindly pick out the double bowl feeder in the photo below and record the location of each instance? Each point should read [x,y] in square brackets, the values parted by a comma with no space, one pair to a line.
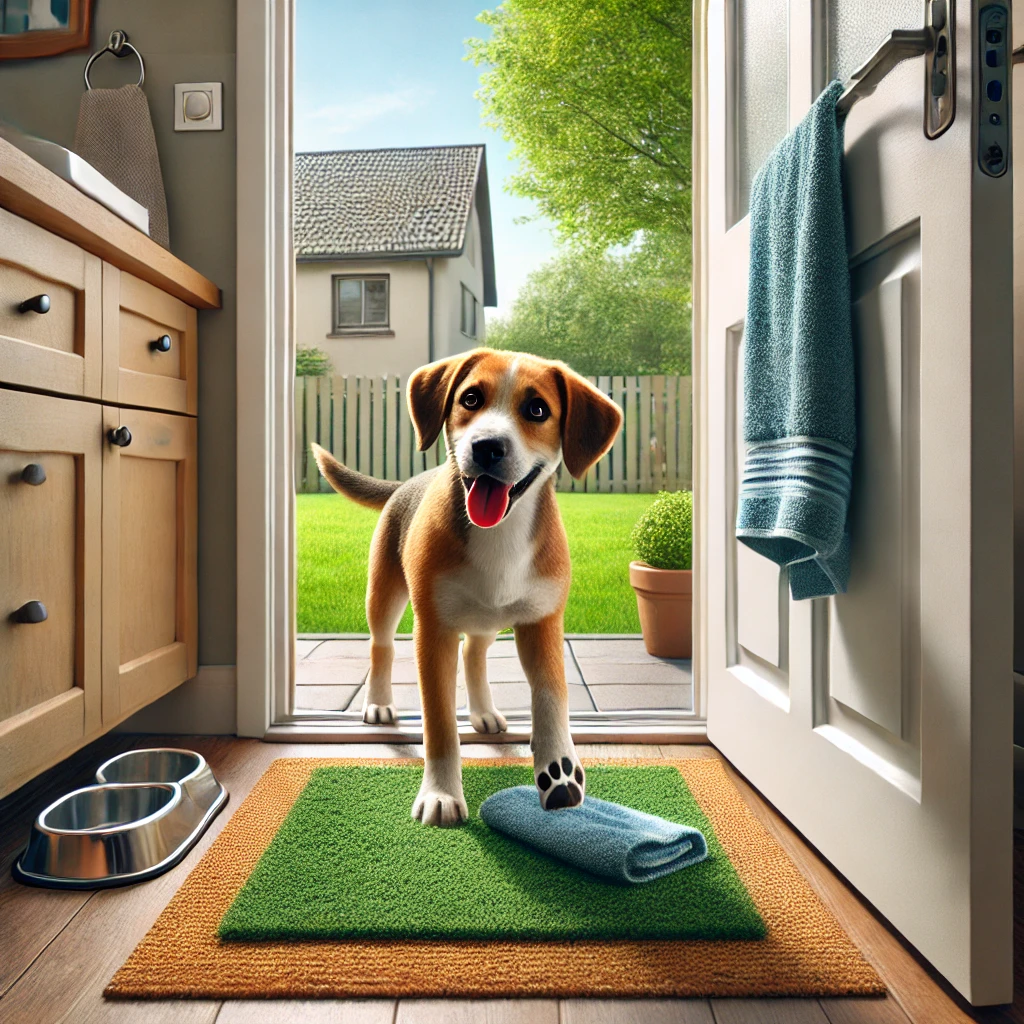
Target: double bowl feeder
[146,811]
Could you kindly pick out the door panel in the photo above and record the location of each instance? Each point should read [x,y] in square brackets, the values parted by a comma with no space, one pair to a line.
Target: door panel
[874,628]
[760,40]
[149,559]
[854,28]
[150,346]
[56,347]
[50,500]
[878,721]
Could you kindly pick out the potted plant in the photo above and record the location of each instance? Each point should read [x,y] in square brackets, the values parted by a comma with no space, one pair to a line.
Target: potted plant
[662,576]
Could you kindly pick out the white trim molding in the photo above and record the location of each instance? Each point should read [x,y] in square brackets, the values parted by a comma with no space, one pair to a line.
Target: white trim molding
[265,360]
[698,362]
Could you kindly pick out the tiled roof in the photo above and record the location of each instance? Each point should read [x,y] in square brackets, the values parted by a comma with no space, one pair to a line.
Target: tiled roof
[380,201]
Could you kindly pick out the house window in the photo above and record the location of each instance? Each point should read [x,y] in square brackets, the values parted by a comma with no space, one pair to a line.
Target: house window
[360,302]
[470,313]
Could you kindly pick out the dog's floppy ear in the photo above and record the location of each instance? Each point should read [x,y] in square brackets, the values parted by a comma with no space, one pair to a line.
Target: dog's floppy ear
[590,421]
[431,392]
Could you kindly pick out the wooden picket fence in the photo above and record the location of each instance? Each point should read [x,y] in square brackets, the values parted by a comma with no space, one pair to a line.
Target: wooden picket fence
[364,422]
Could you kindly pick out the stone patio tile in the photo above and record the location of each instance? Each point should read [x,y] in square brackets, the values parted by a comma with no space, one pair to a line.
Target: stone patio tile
[507,697]
[324,698]
[303,648]
[335,672]
[341,649]
[404,671]
[596,670]
[516,697]
[407,698]
[642,698]
[611,650]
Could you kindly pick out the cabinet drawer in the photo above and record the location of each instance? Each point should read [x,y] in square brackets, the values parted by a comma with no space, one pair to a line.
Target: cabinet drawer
[59,349]
[149,345]
[50,507]
[150,621]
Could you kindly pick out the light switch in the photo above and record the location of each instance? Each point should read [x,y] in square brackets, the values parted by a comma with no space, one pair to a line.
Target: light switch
[198,107]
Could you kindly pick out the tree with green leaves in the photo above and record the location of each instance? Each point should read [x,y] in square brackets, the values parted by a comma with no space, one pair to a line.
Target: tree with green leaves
[604,313]
[596,97]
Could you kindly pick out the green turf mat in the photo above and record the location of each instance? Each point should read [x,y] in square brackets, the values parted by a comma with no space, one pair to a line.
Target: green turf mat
[349,862]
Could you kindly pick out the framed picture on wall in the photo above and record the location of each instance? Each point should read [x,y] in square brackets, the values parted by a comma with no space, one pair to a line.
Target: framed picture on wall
[41,28]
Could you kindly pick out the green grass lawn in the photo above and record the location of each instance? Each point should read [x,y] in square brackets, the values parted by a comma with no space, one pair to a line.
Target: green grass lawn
[334,542]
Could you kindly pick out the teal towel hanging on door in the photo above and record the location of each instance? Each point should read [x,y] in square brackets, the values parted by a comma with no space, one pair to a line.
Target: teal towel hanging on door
[799,420]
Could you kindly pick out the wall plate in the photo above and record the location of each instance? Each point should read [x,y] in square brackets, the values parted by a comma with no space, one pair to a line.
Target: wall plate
[198,106]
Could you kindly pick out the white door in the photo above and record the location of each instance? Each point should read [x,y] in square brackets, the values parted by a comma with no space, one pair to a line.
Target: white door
[879,721]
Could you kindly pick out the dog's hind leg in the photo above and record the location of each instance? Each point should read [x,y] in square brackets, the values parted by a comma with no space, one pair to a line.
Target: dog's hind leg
[482,712]
[386,598]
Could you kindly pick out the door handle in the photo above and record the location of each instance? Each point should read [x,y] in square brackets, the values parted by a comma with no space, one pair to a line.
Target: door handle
[121,436]
[33,474]
[30,613]
[37,304]
[937,41]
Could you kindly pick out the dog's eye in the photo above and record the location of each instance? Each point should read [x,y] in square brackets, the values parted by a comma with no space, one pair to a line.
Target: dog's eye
[536,409]
[471,399]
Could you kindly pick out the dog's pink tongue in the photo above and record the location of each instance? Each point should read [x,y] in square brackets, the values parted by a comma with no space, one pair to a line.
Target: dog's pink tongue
[487,501]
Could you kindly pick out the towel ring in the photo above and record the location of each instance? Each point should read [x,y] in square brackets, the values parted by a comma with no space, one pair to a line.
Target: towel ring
[119,46]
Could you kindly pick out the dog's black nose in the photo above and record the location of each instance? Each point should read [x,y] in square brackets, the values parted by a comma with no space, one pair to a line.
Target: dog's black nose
[488,452]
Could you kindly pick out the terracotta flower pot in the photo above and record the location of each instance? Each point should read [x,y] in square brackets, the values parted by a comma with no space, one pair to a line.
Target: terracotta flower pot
[664,599]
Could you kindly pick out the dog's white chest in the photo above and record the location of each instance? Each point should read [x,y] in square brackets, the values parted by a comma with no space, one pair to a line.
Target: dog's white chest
[497,587]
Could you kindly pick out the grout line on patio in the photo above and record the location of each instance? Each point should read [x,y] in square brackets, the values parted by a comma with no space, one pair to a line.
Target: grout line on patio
[575,661]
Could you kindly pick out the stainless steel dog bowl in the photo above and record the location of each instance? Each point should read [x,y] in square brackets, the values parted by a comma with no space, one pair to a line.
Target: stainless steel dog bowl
[165,764]
[148,810]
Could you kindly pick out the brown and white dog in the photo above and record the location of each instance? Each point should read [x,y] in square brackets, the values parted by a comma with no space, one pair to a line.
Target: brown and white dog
[478,545]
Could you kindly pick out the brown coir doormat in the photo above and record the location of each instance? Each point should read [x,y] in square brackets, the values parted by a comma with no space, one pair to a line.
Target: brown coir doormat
[805,953]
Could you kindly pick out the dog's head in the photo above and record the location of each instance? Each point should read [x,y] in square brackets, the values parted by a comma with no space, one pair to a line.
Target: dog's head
[509,418]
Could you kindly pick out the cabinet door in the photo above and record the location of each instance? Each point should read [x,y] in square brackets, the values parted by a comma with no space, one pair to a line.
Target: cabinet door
[149,345]
[50,495]
[54,343]
[149,557]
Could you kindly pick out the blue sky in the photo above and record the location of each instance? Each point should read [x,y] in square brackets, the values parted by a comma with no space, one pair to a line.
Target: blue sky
[391,73]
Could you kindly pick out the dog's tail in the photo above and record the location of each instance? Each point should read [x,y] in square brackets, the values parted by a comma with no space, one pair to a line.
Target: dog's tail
[362,489]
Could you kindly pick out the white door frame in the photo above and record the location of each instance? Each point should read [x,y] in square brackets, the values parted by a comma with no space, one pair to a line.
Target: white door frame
[265,542]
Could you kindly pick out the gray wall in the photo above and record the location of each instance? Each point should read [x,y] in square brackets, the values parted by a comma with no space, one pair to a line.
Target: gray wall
[184,41]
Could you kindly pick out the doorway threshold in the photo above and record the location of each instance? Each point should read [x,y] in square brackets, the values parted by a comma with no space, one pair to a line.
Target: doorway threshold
[637,727]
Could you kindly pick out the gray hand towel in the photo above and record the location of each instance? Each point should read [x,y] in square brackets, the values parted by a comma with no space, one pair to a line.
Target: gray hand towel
[115,135]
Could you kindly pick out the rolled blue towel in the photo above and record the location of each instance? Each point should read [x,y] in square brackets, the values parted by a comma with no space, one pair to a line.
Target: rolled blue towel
[598,837]
[799,419]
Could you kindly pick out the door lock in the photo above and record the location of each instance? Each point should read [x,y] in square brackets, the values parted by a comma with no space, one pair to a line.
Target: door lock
[994,62]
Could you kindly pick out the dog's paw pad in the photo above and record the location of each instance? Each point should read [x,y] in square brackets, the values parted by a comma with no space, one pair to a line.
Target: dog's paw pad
[561,785]
[488,721]
[380,714]
[566,795]
[439,809]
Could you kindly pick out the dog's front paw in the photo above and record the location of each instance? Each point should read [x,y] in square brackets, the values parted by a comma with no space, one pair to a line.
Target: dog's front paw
[380,714]
[561,782]
[488,721]
[435,807]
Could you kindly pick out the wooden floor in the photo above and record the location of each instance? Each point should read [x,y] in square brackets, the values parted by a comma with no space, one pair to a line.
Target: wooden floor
[59,949]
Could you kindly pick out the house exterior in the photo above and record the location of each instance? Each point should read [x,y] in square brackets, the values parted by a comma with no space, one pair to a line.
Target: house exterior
[394,255]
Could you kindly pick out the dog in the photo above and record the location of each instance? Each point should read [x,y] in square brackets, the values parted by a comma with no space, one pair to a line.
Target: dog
[477,544]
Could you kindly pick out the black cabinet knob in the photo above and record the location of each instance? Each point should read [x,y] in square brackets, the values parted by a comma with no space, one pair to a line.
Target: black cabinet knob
[33,474]
[30,612]
[162,344]
[121,436]
[37,304]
